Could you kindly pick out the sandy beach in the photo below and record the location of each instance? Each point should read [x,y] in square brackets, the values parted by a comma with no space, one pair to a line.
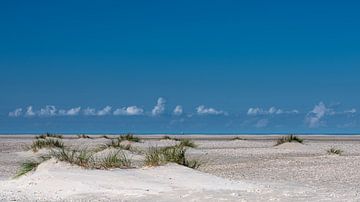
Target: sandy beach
[252,169]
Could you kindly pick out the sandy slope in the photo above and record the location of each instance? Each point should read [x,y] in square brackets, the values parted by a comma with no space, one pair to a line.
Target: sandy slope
[60,181]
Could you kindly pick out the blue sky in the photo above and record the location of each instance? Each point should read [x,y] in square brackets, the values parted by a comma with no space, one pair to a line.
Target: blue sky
[226,66]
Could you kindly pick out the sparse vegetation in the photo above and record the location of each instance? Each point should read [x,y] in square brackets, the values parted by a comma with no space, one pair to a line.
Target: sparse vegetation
[83,136]
[166,137]
[46,143]
[129,137]
[115,160]
[334,151]
[83,157]
[105,136]
[237,138]
[116,143]
[48,135]
[27,167]
[187,143]
[289,138]
[174,154]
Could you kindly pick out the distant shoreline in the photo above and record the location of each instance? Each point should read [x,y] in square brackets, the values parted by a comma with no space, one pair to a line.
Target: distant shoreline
[259,137]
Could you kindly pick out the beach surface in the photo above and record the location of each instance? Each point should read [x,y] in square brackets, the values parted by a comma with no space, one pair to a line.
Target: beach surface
[250,169]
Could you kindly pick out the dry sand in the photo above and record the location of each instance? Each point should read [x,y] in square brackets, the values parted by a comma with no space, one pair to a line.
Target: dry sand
[232,170]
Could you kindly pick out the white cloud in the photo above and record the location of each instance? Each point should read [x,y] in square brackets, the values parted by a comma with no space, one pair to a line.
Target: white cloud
[89,112]
[178,110]
[273,110]
[105,111]
[350,111]
[129,111]
[49,110]
[71,112]
[159,107]
[202,110]
[314,117]
[29,111]
[16,112]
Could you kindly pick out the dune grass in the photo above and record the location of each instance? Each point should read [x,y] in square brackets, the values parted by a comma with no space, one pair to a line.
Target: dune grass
[83,136]
[27,167]
[105,137]
[129,137]
[187,143]
[334,151]
[48,135]
[289,138]
[115,160]
[174,154]
[166,137]
[83,157]
[46,143]
[237,138]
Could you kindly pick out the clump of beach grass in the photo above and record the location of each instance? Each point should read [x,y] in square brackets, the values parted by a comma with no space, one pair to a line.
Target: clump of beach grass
[166,137]
[334,151]
[237,138]
[115,160]
[83,136]
[27,167]
[174,154]
[105,136]
[129,137]
[187,143]
[289,138]
[48,135]
[30,165]
[115,143]
[83,157]
[46,143]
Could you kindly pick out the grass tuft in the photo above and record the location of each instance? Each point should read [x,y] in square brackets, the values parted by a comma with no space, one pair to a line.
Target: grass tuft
[83,136]
[46,143]
[187,143]
[129,137]
[334,151]
[27,167]
[83,158]
[48,135]
[166,137]
[237,138]
[115,160]
[175,154]
[289,138]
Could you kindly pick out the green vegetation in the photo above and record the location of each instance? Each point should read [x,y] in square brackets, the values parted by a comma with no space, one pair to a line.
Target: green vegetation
[83,157]
[115,160]
[116,143]
[334,151]
[83,136]
[187,143]
[174,154]
[48,135]
[129,137]
[46,143]
[27,167]
[166,137]
[237,138]
[289,138]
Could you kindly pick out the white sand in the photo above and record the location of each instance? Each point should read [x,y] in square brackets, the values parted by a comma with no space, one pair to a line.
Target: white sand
[241,170]
[60,181]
